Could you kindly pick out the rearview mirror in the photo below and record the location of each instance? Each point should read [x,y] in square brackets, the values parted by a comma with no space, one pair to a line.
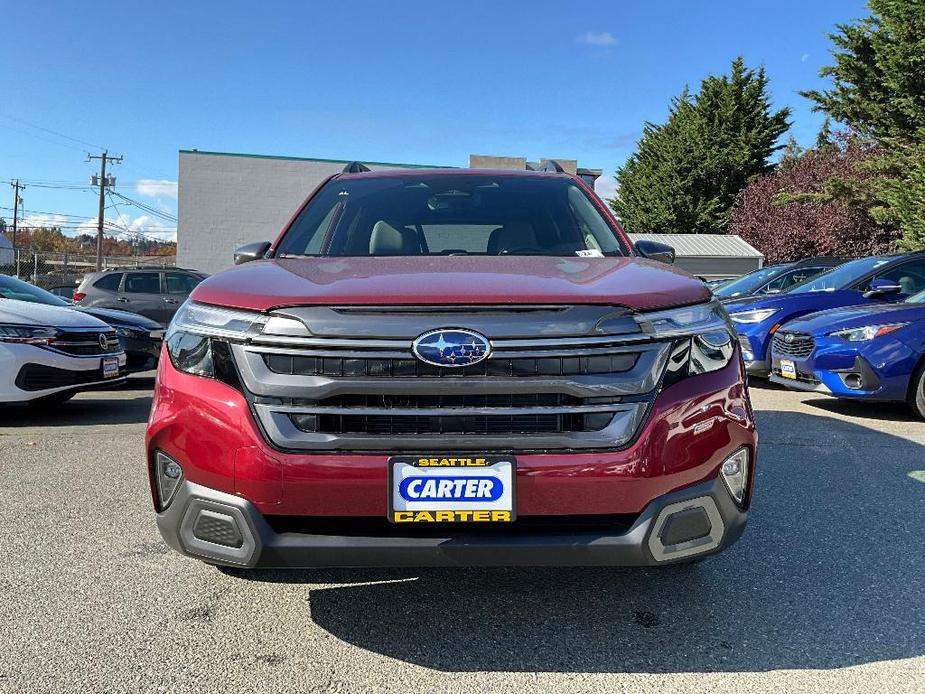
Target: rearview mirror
[653,250]
[251,251]
[881,288]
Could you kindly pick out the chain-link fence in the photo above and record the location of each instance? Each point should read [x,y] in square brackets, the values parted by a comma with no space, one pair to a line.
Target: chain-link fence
[51,270]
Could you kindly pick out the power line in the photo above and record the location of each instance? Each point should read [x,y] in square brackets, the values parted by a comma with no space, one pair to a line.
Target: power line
[157,213]
[50,131]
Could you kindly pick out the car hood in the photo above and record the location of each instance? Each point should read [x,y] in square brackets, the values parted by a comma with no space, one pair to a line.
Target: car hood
[29,313]
[816,301]
[633,282]
[823,322]
[121,318]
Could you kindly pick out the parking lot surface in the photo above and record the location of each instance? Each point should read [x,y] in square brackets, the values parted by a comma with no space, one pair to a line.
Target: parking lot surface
[823,592]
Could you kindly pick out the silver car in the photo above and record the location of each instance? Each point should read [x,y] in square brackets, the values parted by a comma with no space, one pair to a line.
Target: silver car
[153,292]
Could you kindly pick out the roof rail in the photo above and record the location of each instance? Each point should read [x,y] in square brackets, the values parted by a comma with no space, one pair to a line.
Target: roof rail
[356,167]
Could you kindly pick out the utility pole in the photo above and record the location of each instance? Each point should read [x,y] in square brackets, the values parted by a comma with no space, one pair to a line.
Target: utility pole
[103,183]
[17,201]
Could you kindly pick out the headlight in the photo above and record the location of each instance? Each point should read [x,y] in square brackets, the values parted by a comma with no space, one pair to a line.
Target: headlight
[28,334]
[123,331]
[707,343]
[199,335]
[753,316]
[867,332]
[212,321]
[688,320]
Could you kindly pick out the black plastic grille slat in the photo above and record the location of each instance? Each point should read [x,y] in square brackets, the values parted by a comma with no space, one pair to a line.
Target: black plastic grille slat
[801,345]
[405,425]
[379,526]
[413,401]
[411,368]
[33,377]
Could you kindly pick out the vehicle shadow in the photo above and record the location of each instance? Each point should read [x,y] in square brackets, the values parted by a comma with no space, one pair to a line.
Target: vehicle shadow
[128,404]
[827,575]
[884,411]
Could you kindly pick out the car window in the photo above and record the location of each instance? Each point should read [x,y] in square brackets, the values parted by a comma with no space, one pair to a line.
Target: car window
[431,214]
[789,279]
[109,282]
[909,276]
[180,283]
[840,277]
[142,283]
[748,283]
[12,288]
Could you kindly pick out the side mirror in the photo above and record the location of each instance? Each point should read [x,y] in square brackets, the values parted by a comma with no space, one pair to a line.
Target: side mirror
[882,288]
[251,251]
[653,250]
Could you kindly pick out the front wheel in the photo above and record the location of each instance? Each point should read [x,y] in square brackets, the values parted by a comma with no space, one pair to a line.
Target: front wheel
[916,397]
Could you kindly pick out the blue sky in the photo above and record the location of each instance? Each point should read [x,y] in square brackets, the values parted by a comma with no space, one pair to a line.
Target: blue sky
[419,82]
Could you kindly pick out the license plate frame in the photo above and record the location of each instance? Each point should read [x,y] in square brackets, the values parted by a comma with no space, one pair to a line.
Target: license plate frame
[483,488]
[788,369]
[110,367]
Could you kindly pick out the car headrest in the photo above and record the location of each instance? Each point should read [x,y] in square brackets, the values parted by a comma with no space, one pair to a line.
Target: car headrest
[512,235]
[386,239]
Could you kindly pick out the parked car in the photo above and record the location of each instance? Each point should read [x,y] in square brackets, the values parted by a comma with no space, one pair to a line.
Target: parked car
[139,337]
[49,353]
[870,280]
[444,367]
[65,291]
[874,352]
[153,293]
[775,279]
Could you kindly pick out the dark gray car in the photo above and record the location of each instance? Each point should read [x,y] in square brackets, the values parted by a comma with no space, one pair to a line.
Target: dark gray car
[154,293]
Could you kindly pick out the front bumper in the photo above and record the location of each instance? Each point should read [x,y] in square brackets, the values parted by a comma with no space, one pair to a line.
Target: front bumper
[141,353]
[713,523]
[30,372]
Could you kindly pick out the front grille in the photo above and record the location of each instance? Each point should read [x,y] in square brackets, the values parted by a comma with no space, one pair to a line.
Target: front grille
[34,377]
[794,344]
[86,343]
[410,368]
[809,379]
[554,380]
[523,526]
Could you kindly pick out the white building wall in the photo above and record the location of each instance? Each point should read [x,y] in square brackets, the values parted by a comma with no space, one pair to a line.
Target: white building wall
[226,200]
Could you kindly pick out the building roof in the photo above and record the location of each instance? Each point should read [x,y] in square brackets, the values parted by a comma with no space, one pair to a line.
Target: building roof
[326,161]
[703,245]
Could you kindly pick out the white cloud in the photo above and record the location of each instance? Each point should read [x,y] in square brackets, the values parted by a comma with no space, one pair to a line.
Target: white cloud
[606,187]
[47,221]
[603,38]
[152,188]
[804,57]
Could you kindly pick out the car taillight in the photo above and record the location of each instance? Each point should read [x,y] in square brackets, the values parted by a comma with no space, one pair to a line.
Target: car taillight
[78,296]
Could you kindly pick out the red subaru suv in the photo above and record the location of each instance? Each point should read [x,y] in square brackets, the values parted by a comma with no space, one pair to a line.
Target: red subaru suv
[451,367]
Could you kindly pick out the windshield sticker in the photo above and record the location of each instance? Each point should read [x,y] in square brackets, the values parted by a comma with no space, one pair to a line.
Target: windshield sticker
[590,253]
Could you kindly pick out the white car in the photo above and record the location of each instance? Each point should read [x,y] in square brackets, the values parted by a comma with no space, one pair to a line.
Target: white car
[49,353]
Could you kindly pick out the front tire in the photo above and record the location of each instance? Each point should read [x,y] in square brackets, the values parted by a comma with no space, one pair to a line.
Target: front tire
[916,397]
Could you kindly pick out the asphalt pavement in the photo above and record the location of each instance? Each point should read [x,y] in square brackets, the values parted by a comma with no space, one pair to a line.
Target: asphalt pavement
[824,592]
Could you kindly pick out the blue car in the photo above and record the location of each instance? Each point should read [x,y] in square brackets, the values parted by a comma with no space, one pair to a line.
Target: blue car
[874,280]
[874,352]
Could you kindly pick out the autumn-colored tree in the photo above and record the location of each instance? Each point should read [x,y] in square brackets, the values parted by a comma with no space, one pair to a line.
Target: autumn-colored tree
[794,212]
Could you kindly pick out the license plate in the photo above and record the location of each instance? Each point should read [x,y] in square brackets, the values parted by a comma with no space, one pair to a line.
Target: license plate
[446,489]
[788,369]
[110,367]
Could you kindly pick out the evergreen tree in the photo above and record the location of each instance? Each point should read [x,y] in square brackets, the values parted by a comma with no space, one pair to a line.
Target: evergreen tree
[686,173]
[878,91]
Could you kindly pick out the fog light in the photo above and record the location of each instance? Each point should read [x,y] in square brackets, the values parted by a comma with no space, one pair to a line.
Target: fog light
[169,475]
[734,472]
[854,381]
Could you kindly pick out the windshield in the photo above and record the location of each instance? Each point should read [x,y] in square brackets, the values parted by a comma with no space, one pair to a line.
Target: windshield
[839,278]
[748,283]
[12,288]
[447,214]
[917,298]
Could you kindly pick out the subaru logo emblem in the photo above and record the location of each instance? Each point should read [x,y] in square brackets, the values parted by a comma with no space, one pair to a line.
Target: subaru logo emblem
[104,342]
[451,347]
[788,338]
